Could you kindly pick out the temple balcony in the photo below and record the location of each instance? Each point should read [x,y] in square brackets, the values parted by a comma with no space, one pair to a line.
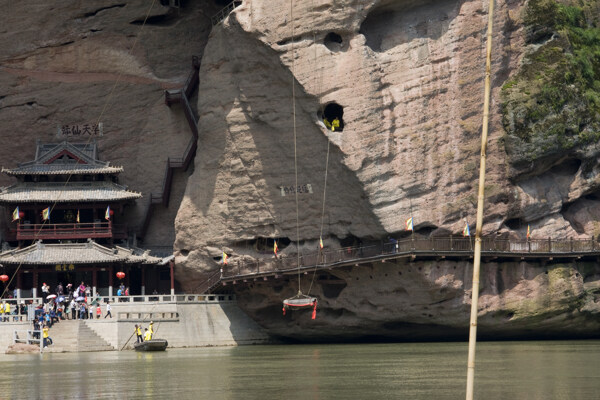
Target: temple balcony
[64,231]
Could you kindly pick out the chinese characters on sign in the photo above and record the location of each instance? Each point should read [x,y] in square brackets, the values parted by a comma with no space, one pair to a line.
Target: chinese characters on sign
[80,130]
[64,267]
[287,190]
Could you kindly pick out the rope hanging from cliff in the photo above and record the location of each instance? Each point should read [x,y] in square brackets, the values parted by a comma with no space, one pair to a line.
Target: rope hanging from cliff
[319,90]
[295,146]
[108,99]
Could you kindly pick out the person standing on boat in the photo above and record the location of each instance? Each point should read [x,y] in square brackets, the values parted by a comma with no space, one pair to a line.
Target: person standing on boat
[151,329]
[138,333]
[147,335]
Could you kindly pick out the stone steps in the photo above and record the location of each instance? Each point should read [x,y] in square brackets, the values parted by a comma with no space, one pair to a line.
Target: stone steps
[73,336]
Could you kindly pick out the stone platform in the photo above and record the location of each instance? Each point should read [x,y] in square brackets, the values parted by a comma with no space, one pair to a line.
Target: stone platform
[193,323]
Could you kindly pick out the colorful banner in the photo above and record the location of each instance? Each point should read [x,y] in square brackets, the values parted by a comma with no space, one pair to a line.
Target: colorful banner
[46,214]
[466,231]
[409,224]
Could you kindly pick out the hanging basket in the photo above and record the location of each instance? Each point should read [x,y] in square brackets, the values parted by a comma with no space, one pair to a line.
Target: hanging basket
[300,301]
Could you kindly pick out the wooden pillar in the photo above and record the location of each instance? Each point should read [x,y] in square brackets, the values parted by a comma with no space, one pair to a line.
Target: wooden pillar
[110,281]
[172,267]
[19,283]
[143,288]
[35,282]
[94,282]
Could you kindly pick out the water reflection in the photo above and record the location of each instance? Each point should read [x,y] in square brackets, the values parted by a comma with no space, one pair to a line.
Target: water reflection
[515,370]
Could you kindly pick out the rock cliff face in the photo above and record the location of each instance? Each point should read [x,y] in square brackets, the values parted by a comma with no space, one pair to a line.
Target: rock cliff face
[431,301]
[405,79]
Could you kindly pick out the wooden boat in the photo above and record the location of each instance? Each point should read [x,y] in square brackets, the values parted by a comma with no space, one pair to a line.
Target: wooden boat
[151,345]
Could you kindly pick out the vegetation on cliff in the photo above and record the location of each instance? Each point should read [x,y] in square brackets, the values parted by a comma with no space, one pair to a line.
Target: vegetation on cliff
[552,105]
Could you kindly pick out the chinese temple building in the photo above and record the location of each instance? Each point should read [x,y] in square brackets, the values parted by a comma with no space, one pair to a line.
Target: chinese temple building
[67,217]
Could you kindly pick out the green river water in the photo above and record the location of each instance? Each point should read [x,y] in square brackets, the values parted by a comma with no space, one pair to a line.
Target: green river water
[505,370]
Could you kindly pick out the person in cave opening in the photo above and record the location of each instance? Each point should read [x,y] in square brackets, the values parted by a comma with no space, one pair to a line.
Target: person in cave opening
[332,125]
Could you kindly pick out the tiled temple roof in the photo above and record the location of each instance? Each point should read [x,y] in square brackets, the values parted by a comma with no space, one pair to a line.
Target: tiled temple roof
[76,253]
[60,169]
[64,159]
[46,192]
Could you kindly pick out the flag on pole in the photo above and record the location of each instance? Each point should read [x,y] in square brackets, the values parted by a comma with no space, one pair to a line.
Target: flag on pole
[78,220]
[275,247]
[466,231]
[16,214]
[528,232]
[46,214]
[107,213]
[224,258]
[320,242]
[409,224]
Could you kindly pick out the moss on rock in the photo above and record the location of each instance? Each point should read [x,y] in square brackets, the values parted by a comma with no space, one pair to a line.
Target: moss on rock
[552,104]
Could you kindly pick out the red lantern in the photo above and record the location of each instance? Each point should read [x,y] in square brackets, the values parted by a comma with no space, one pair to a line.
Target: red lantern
[120,274]
[111,212]
[21,214]
[3,278]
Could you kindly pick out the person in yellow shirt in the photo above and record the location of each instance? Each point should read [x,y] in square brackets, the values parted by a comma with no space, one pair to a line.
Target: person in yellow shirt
[138,333]
[46,336]
[147,335]
[151,328]
[335,124]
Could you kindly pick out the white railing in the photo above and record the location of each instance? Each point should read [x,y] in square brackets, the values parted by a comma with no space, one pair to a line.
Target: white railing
[168,298]
[33,302]
[222,14]
[30,337]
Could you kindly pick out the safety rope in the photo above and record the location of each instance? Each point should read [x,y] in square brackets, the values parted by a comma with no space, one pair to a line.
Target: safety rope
[295,146]
[318,88]
[106,103]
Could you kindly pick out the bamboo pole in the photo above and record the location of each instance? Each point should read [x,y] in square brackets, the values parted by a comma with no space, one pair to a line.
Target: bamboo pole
[480,201]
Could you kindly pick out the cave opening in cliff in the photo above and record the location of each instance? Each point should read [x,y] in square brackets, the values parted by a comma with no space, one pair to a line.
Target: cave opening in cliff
[514,223]
[263,245]
[332,116]
[159,20]
[333,41]
[350,241]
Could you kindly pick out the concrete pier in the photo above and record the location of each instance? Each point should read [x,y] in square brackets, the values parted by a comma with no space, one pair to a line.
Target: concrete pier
[199,321]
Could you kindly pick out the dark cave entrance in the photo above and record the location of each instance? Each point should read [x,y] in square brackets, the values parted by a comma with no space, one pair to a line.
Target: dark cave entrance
[330,114]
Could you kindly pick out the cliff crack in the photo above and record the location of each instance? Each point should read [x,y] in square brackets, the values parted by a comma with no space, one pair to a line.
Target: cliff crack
[93,13]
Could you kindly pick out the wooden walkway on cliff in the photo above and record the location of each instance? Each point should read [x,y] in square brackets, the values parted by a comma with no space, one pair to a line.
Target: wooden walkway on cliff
[175,96]
[451,248]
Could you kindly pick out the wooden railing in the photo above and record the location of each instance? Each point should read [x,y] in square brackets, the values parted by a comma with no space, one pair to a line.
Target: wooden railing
[69,231]
[174,97]
[436,247]
[223,13]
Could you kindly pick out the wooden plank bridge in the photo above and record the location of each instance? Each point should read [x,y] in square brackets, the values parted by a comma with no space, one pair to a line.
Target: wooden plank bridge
[452,248]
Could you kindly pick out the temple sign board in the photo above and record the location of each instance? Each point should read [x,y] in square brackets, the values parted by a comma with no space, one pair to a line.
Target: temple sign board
[81,130]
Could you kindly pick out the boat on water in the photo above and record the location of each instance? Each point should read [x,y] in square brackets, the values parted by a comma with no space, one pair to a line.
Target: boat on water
[151,345]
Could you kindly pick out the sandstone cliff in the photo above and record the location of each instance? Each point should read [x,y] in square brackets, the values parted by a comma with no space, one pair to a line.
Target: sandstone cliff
[408,78]
[405,78]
